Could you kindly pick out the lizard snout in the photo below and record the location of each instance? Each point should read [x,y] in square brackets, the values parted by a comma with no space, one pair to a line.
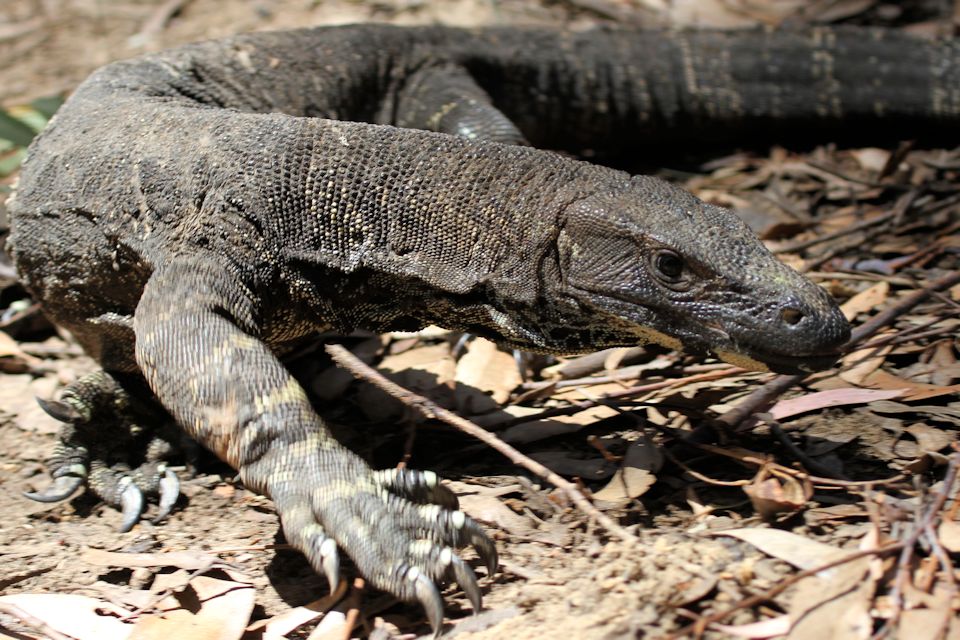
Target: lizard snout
[810,329]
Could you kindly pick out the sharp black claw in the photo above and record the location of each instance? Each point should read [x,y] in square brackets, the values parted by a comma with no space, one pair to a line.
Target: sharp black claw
[59,410]
[61,489]
[467,580]
[488,554]
[430,599]
[131,502]
[169,492]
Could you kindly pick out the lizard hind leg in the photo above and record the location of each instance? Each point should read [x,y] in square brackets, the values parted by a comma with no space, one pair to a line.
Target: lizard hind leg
[108,443]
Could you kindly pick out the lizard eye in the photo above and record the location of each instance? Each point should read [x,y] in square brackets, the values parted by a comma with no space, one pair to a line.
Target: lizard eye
[668,265]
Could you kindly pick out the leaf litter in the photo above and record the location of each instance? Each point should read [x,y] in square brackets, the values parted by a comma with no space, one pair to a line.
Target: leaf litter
[838,512]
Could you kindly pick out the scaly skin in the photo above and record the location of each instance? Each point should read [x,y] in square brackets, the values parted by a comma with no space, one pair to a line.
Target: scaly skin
[189,213]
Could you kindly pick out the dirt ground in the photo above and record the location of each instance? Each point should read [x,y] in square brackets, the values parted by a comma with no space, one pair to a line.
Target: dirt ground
[713,521]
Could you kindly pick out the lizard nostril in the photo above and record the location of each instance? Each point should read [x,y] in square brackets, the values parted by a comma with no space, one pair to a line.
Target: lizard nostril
[791,316]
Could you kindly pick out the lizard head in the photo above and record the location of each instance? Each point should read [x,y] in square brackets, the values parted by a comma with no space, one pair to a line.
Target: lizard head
[649,262]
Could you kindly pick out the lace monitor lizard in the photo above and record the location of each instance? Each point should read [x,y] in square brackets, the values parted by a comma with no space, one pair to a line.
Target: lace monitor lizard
[188,213]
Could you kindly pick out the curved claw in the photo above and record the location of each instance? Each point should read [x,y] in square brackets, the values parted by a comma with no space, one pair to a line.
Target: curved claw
[59,410]
[131,502]
[469,531]
[61,489]
[330,562]
[169,492]
[467,580]
[487,552]
[429,597]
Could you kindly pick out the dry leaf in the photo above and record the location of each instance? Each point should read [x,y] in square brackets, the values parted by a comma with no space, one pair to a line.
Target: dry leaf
[924,624]
[949,535]
[771,496]
[641,462]
[831,398]
[76,616]
[278,626]
[871,158]
[867,300]
[861,363]
[490,510]
[930,439]
[12,357]
[768,628]
[189,560]
[801,552]
[428,370]
[837,608]
[484,366]
[224,611]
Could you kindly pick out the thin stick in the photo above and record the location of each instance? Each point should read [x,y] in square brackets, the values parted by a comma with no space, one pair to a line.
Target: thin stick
[777,589]
[768,393]
[430,409]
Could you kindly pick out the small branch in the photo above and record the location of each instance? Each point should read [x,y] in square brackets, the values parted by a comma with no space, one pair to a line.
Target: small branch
[701,624]
[351,363]
[768,393]
[33,622]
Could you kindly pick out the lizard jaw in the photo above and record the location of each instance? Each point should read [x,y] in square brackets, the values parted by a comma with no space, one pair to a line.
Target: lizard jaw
[778,363]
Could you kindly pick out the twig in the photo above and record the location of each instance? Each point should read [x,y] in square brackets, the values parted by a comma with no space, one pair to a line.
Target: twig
[795,451]
[33,622]
[157,21]
[702,623]
[768,393]
[350,362]
[629,392]
[925,520]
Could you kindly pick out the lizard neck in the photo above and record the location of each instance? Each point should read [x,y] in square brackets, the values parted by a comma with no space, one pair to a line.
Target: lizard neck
[443,223]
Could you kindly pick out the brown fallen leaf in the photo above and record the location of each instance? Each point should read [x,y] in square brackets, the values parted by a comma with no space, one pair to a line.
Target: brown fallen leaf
[207,608]
[924,624]
[831,398]
[189,560]
[641,463]
[930,438]
[79,617]
[490,510]
[797,550]
[278,626]
[777,494]
[867,300]
[948,533]
[769,628]
[485,367]
[837,608]
[13,359]
[859,364]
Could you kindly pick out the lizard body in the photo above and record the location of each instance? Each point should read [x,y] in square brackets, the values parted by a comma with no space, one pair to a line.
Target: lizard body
[188,213]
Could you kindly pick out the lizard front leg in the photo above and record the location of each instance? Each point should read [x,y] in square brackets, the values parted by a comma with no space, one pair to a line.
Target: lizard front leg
[204,360]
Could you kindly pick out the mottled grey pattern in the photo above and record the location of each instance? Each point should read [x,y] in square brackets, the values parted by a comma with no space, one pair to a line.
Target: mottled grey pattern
[189,213]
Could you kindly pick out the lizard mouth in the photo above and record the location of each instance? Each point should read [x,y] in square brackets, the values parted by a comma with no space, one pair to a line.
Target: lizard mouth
[755,359]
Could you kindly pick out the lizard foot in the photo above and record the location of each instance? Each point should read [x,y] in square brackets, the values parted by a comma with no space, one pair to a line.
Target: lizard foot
[99,443]
[401,528]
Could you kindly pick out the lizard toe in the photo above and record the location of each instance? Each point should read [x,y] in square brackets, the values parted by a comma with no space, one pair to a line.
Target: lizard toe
[429,598]
[455,528]
[169,493]
[303,532]
[422,487]
[62,487]
[131,503]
